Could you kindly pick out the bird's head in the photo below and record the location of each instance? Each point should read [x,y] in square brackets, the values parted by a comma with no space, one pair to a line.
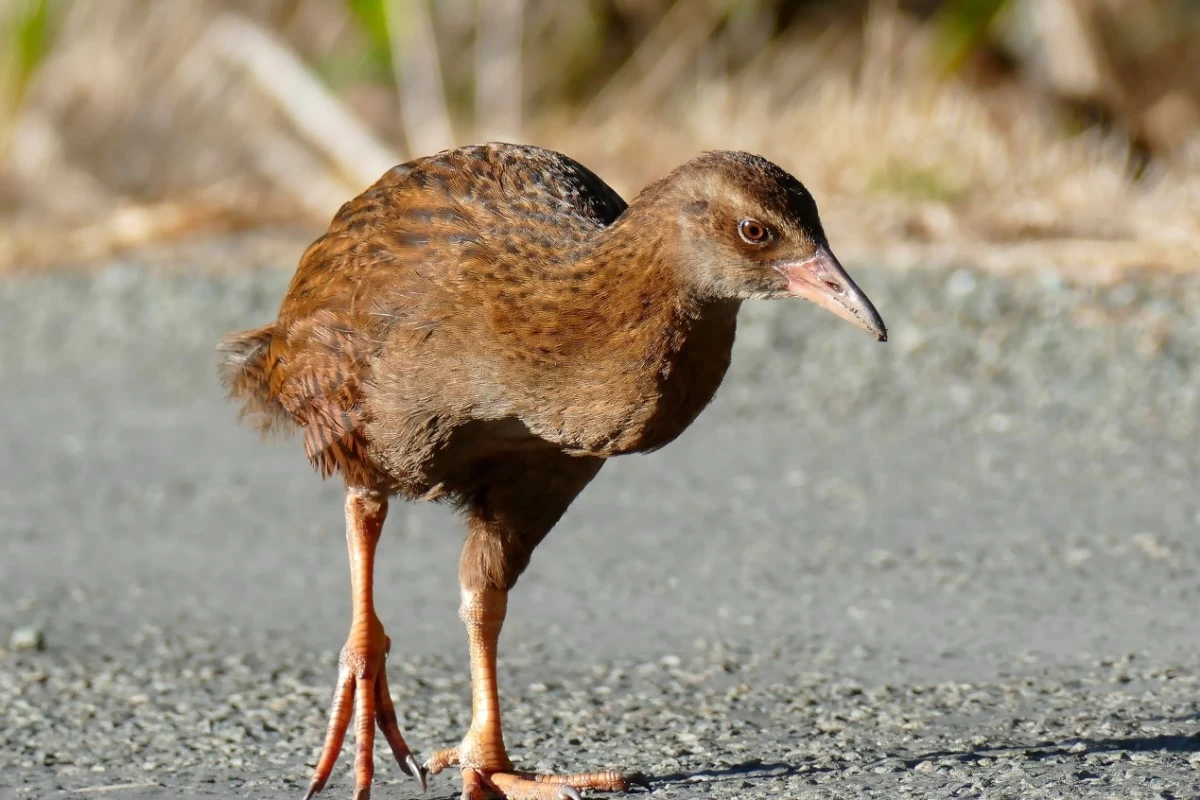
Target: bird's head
[749,230]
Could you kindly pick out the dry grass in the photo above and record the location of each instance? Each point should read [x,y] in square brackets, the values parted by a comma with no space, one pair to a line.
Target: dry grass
[136,132]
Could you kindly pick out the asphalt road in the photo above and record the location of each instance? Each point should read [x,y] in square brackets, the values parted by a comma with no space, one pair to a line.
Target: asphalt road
[963,564]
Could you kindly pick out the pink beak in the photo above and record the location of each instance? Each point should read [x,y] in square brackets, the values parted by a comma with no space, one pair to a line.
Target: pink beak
[822,280]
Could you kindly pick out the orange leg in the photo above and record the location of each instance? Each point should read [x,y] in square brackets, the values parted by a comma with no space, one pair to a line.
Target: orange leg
[482,757]
[362,688]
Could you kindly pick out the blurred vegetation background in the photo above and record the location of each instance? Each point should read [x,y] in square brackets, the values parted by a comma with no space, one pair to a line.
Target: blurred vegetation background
[1000,133]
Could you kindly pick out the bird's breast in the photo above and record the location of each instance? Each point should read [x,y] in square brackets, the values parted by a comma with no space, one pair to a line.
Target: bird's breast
[656,399]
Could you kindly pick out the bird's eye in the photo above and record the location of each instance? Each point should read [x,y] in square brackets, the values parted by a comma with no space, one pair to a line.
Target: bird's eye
[752,231]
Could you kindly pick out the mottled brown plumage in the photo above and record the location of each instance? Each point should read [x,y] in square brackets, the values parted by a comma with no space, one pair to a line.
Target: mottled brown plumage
[485,327]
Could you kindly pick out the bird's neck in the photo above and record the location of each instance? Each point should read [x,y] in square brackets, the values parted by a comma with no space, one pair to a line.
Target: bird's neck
[638,290]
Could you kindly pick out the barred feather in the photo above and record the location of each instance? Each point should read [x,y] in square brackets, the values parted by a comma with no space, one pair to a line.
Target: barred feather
[245,373]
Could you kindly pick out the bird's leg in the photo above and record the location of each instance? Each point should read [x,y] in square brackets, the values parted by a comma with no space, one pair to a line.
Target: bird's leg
[362,688]
[483,614]
[507,519]
[482,757]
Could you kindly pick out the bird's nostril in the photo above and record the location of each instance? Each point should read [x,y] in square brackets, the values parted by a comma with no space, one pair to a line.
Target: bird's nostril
[835,287]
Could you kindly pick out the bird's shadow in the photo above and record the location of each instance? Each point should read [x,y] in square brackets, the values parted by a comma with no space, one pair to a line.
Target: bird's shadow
[753,769]
[758,769]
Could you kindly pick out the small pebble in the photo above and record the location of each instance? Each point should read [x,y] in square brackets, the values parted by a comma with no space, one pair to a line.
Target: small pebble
[27,637]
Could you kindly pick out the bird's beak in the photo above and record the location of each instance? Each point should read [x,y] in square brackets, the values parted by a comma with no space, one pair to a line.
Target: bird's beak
[822,280]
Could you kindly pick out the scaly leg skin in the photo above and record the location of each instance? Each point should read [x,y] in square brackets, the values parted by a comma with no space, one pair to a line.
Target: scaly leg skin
[486,769]
[362,688]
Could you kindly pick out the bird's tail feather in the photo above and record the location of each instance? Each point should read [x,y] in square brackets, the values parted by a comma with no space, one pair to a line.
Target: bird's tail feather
[244,367]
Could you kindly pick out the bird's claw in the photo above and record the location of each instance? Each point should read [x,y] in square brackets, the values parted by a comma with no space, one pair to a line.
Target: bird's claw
[506,783]
[417,770]
[362,697]
[410,766]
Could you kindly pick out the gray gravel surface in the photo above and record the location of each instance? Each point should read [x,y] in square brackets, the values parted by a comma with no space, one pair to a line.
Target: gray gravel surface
[963,564]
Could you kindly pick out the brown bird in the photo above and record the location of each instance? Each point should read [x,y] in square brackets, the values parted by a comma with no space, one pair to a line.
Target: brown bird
[486,327]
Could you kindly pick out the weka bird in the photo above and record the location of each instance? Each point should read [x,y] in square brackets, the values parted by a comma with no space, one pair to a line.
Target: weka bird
[485,327]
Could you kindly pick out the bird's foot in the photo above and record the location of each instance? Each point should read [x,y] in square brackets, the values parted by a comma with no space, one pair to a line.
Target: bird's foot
[362,692]
[480,783]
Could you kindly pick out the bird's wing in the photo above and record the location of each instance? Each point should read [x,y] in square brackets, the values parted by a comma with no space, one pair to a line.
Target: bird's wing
[330,330]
